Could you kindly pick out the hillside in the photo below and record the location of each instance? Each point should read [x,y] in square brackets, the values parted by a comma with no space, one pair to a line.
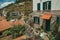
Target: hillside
[25,6]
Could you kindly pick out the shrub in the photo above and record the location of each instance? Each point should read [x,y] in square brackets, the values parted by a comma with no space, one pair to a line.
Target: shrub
[18,30]
[5,33]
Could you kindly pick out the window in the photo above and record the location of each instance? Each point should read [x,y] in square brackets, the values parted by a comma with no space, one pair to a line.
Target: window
[38,6]
[47,5]
[14,14]
[36,20]
[44,6]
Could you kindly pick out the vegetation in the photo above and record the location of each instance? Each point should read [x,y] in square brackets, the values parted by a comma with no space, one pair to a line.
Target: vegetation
[52,37]
[58,36]
[54,30]
[6,33]
[15,31]
[21,8]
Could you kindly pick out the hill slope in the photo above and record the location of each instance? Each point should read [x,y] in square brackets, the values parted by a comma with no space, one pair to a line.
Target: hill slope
[25,6]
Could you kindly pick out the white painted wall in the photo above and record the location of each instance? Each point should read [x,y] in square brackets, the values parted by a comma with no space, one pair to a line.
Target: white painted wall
[55,4]
[44,0]
[35,4]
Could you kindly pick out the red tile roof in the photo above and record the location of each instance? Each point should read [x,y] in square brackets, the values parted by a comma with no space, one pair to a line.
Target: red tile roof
[8,24]
[4,25]
[46,16]
[1,18]
[21,38]
[21,22]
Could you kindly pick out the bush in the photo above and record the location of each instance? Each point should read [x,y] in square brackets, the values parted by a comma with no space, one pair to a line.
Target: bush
[52,38]
[18,30]
[6,33]
[15,31]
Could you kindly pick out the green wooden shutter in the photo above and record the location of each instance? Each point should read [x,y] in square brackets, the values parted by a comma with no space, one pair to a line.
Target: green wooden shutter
[38,6]
[44,5]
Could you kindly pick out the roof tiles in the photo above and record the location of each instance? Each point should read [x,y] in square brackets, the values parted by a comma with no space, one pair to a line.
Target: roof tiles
[4,25]
[8,24]
[46,16]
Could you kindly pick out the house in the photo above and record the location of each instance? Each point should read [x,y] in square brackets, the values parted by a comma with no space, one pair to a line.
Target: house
[46,5]
[13,14]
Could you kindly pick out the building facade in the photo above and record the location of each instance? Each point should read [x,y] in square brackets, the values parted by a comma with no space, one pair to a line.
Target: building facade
[46,5]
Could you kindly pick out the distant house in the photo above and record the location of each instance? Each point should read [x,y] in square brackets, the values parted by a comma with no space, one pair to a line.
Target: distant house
[46,5]
[15,13]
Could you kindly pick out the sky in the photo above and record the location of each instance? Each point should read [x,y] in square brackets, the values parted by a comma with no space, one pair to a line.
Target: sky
[4,3]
